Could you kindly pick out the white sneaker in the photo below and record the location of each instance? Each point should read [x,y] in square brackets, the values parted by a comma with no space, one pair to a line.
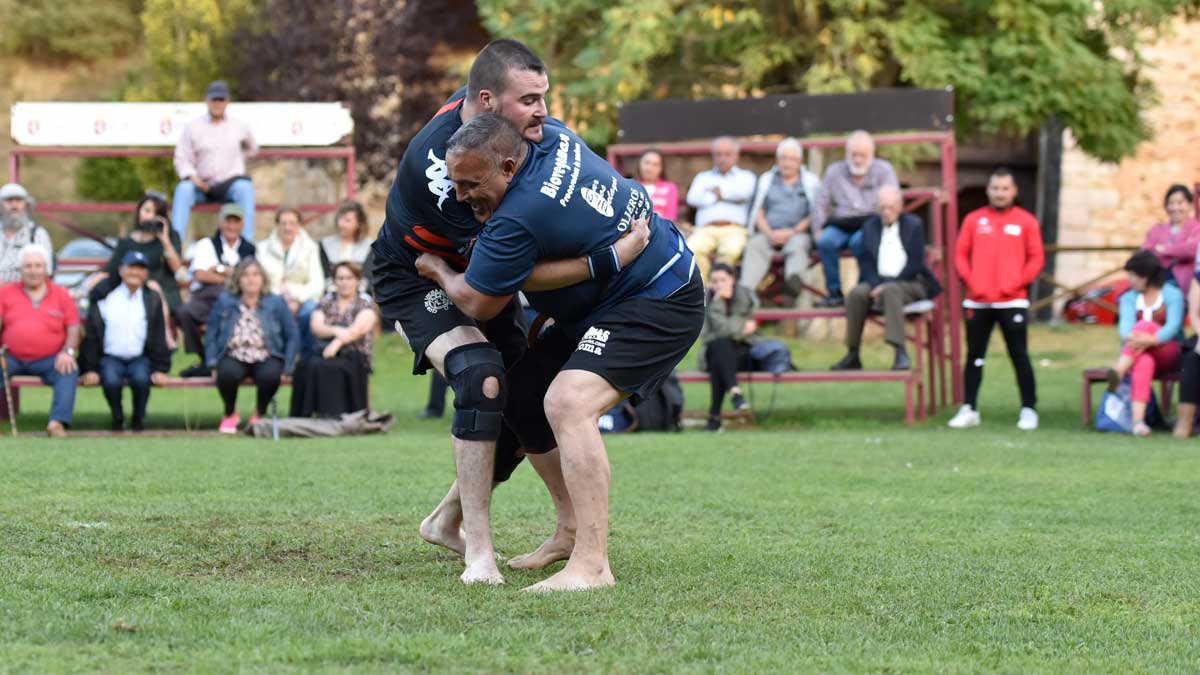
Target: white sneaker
[965,417]
[1028,421]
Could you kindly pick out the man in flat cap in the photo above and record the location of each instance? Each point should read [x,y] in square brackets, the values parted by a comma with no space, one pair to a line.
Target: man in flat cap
[211,162]
[18,231]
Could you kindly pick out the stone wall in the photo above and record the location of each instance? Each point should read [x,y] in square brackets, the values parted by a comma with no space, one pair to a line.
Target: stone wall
[1114,204]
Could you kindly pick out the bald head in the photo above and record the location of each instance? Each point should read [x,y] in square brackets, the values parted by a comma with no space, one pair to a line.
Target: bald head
[891,204]
[725,153]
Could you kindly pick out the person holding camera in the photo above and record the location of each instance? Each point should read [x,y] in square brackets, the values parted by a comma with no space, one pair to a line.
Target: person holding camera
[153,237]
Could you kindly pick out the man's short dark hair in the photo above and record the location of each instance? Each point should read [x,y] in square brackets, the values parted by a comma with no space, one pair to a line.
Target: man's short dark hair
[491,66]
[489,133]
[1002,172]
[1145,264]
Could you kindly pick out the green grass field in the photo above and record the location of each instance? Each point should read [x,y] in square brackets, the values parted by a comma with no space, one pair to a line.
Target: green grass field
[830,539]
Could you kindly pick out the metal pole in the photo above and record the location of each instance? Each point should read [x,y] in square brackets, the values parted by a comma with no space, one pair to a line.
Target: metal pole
[954,287]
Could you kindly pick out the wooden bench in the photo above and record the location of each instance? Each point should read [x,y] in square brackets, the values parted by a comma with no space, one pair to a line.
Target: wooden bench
[910,378]
[21,381]
[924,337]
[1091,376]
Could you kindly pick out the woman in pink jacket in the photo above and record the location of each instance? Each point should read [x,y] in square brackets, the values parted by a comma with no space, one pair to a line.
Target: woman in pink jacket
[663,193]
[1175,241]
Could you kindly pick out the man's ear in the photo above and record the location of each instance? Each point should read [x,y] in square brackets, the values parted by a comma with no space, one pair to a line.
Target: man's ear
[508,166]
[487,101]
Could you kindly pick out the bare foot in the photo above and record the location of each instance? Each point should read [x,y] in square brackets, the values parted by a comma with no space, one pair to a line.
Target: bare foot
[569,579]
[439,534]
[485,572]
[558,547]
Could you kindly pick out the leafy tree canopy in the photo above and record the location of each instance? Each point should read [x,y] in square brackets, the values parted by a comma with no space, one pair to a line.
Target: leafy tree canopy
[1013,63]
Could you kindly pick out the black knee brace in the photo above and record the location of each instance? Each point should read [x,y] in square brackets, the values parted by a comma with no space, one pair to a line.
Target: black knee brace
[476,417]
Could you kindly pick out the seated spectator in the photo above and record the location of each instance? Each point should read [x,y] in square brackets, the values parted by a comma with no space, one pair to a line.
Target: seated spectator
[893,275]
[210,160]
[1175,241]
[780,219]
[251,333]
[663,193]
[1151,330]
[849,194]
[335,382]
[213,261]
[292,262]
[39,326]
[721,197]
[126,339]
[19,231]
[350,244]
[729,328]
[153,237]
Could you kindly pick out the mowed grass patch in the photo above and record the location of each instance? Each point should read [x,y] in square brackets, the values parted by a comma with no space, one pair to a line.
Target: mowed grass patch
[829,539]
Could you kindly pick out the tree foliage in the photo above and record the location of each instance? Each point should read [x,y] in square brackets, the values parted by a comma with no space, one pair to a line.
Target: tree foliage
[52,30]
[1013,63]
[387,60]
[189,43]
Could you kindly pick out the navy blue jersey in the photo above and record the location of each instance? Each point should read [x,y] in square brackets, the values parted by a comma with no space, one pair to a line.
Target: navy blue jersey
[422,211]
[564,202]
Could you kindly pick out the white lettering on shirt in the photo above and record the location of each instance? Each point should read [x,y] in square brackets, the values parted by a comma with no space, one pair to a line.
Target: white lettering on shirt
[439,184]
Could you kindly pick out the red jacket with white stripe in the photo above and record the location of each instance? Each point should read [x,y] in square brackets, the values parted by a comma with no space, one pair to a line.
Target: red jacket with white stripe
[999,253]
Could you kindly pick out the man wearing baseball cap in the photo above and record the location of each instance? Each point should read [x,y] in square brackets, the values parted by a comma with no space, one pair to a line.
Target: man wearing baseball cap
[211,162]
[19,231]
[126,340]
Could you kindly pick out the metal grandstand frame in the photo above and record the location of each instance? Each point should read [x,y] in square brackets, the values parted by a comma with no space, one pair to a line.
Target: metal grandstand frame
[664,125]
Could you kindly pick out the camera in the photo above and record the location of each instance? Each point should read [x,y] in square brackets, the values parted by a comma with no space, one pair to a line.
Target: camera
[153,225]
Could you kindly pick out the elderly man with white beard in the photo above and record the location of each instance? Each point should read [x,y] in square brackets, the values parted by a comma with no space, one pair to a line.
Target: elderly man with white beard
[19,231]
[849,194]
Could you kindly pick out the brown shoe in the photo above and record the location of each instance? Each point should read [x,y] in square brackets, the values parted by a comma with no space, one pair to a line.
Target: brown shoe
[1113,379]
[55,429]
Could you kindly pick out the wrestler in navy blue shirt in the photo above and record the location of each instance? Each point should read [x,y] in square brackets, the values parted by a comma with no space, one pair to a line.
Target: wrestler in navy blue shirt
[564,202]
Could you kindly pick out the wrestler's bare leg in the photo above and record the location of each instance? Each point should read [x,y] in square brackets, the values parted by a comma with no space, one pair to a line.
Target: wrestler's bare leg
[574,403]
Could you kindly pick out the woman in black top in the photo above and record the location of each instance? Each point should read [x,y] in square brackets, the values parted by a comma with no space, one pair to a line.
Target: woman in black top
[154,238]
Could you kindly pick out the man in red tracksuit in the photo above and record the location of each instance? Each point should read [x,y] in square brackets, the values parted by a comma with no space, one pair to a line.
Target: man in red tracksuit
[999,253]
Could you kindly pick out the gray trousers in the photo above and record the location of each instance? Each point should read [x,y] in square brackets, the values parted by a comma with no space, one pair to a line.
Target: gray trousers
[893,296]
[756,260]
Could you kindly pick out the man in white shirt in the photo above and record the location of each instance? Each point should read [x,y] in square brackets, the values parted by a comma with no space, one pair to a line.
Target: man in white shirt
[210,160]
[126,340]
[721,197]
[212,261]
[893,275]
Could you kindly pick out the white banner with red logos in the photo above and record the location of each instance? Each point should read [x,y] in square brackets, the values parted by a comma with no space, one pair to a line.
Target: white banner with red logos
[159,124]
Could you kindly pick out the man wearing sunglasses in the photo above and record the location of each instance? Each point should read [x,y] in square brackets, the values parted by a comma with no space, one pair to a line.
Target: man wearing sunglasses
[211,162]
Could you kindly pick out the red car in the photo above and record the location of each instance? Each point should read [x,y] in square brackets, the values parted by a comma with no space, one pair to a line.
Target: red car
[1085,309]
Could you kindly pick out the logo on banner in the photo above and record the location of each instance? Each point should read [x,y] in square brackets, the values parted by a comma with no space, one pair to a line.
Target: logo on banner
[165,126]
[99,127]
